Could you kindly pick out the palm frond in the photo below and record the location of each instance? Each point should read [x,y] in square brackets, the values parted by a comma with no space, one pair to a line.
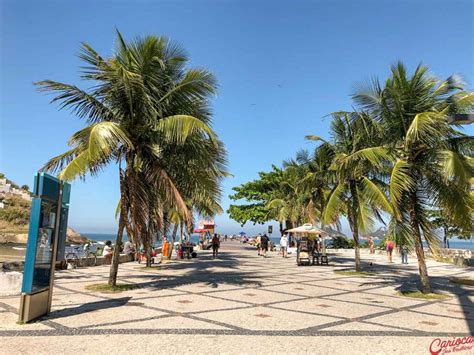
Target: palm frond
[179,127]
[334,205]
[400,182]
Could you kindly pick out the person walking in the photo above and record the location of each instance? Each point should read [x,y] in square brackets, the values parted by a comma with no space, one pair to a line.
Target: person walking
[284,246]
[259,244]
[216,243]
[264,244]
[371,245]
[404,253]
[390,247]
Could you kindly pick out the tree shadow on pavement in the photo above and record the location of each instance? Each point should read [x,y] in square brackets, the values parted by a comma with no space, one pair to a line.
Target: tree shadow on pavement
[202,270]
[88,307]
[406,278]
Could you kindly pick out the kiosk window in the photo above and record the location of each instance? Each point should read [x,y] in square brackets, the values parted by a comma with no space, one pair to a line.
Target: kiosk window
[44,246]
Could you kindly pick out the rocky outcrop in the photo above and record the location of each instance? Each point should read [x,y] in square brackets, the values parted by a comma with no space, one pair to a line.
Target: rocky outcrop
[72,237]
[12,238]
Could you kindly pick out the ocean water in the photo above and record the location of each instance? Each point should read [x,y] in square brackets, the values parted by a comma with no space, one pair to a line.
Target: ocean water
[102,237]
[99,237]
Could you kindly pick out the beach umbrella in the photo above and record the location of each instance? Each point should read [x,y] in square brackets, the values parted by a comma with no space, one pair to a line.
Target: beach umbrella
[307,229]
[242,233]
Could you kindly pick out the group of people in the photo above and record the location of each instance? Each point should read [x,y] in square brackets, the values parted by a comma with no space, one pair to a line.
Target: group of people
[403,249]
[262,242]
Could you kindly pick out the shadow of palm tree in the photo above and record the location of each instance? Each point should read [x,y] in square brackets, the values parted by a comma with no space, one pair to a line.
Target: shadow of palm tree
[405,278]
[87,307]
[203,270]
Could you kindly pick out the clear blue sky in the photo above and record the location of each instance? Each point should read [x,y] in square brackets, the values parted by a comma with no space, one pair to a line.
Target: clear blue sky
[281,65]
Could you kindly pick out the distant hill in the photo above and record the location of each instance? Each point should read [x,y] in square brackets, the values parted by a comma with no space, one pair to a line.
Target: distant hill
[15,205]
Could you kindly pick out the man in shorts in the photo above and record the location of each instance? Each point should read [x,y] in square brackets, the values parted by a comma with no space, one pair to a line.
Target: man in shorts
[264,244]
[215,245]
[284,245]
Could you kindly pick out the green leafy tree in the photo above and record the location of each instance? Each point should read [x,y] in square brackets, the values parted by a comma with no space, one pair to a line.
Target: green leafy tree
[433,160]
[442,221]
[358,159]
[256,195]
[149,114]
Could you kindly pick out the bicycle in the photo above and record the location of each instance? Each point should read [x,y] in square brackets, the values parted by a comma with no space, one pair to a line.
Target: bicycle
[81,256]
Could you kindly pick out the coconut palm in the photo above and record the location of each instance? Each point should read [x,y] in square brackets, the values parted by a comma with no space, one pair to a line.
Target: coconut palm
[433,165]
[291,202]
[357,163]
[144,110]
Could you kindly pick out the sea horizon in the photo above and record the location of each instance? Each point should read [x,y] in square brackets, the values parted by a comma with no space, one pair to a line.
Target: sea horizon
[454,243]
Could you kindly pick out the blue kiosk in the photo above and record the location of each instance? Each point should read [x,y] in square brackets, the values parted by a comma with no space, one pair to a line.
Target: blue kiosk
[46,244]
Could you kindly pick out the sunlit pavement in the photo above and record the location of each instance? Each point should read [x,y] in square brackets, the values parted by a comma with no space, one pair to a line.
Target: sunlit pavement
[242,303]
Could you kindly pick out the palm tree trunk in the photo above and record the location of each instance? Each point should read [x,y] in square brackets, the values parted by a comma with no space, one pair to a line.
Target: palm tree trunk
[354,225]
[118,240]
[420,253]
[281,227]
[147,245]
[173,239]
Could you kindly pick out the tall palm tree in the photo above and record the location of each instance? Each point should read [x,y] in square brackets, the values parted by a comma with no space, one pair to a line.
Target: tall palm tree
[291,199]
[433,161]
[358,159]
[143,106]
[319,178]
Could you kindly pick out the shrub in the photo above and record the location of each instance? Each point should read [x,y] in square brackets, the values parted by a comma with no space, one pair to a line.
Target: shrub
[342,243]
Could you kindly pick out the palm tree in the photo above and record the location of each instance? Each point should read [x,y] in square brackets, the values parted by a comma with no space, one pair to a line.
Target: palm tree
[433,165]
[293,198]
[144,111]
[358,160]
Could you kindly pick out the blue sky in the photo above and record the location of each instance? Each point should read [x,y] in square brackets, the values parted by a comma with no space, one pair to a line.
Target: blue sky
[281,65]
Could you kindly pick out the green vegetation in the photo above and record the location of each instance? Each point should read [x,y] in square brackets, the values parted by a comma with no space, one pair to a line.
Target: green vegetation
[149,114]
[15,216]
[106,288]
[462,281]
[354,273]
[358,157]
[422,295]
[258,194]
[396,153]
[342,243]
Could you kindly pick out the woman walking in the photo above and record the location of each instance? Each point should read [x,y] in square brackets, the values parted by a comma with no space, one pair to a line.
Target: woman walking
[390,247]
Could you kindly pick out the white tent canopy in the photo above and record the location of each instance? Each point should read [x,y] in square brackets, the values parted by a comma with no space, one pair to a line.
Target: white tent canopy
[307,228]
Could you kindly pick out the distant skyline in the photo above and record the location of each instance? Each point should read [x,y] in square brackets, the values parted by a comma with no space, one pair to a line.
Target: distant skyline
[282,67]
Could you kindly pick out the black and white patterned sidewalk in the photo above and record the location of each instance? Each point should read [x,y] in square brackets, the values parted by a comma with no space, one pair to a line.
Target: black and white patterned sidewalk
[242,295]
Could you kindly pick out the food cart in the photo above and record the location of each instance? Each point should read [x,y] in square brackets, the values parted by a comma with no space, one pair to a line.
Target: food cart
[205,229]
[307,252]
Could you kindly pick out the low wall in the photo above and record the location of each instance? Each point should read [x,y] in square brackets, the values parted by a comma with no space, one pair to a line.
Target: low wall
[10,281]
[458,257]
[122,259]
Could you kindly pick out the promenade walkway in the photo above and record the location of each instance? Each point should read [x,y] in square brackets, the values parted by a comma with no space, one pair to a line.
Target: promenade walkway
[242,303]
